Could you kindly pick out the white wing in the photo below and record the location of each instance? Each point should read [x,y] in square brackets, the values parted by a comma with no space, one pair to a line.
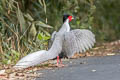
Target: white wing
[78,40]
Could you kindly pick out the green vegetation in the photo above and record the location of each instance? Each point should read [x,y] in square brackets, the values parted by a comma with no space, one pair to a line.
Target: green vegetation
[25,25]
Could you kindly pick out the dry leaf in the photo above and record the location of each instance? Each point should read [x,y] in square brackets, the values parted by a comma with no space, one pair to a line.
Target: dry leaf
[2,72]
[111,54]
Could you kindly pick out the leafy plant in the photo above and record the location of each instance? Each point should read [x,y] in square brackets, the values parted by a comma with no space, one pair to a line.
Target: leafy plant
[19,28]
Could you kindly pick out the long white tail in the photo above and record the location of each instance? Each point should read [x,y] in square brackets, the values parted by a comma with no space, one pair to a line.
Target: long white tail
[41,56]
[32,59]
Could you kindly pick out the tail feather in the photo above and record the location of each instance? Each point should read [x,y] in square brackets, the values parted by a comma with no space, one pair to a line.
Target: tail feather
[43,55]
[32,59]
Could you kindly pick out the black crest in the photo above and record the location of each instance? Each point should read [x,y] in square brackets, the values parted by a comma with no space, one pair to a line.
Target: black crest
[65,16]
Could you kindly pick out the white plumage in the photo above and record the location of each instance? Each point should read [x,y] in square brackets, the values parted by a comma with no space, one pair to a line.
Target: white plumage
[31,59]
[69,42]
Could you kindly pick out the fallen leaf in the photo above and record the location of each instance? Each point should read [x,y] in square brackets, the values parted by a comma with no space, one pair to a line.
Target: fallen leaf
[111,54]
[2,72]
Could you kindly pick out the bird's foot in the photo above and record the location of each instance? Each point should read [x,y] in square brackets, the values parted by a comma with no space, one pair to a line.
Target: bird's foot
[60,65]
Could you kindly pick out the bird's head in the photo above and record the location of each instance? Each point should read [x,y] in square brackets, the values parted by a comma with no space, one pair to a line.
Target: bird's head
[67,16]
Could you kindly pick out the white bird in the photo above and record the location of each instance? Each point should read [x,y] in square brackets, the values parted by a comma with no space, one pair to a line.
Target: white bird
[69,42]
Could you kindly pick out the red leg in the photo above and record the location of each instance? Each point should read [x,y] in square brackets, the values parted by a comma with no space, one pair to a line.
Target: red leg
[57,60]
[61,63]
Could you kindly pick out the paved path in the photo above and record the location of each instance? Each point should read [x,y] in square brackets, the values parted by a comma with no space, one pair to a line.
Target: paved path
[94,68]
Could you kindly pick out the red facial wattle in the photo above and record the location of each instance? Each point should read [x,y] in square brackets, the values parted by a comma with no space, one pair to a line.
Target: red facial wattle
[70,18]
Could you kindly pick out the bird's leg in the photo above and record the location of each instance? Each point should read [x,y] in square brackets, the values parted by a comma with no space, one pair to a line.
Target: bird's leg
[57,60]
[62,65]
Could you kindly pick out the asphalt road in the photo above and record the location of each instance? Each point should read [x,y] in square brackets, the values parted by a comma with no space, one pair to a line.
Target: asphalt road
[90,68]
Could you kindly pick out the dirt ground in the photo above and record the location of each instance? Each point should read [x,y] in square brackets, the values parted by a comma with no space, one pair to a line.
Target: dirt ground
[104,49]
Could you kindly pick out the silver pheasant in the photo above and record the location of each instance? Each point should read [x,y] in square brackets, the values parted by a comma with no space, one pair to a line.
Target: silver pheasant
[65,40]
